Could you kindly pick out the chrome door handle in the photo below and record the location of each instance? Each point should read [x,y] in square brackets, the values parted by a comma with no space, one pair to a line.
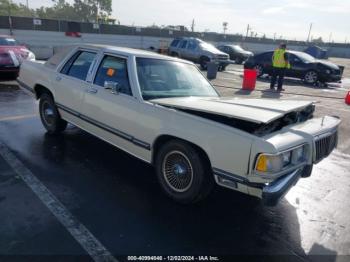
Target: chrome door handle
[91,90]
[58,78]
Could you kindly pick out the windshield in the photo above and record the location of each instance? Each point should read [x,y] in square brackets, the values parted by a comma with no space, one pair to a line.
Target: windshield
[305,57]
[208,47]
[238,48]
[163,78]
[8,41]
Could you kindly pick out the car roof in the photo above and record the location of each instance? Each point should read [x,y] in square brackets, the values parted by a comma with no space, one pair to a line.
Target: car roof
[6,36]
[131,52]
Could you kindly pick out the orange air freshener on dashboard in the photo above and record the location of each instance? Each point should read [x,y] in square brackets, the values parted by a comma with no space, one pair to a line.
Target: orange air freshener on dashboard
[110,72]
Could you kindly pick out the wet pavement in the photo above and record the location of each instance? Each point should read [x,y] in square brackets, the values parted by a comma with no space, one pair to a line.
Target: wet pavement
[117,198]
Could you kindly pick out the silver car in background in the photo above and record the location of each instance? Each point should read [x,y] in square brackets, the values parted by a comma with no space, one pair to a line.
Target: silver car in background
[198,51]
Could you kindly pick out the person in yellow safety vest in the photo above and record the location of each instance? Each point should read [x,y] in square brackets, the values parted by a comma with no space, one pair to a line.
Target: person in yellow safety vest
[280,63]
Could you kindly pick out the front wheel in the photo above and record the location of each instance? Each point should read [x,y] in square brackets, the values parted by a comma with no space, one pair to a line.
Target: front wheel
[238,61]
[311,77]
[50,116]
[259,70]
[183,173]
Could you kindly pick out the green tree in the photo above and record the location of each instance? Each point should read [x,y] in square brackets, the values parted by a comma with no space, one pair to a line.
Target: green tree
[10,8]
[93,10]
[80,10]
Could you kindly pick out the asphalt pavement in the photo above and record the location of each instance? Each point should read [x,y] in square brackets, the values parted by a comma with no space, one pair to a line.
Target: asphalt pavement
[63,196]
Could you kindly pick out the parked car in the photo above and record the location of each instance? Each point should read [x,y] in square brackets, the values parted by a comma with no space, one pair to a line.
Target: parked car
[236,53]
[11,56]
[303,66]
[198,51]
[163,111]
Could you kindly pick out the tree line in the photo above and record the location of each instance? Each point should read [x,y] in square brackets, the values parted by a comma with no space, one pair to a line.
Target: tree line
[79,10]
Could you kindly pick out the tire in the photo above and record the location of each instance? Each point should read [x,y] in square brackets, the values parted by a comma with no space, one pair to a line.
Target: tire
[307,171]
[238,61]
[173,54]
[311,77]
[50,116]
[203,62]
[222,68]
[259,69]
[183,173]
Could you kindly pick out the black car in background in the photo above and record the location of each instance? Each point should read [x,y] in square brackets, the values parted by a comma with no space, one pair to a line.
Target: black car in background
[236,53]
[303,66]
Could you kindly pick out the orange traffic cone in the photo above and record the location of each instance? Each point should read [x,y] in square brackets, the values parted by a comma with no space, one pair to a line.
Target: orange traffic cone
[347,98]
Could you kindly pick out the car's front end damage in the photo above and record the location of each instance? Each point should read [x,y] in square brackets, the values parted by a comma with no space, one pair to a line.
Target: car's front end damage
[280,159]
[286,141]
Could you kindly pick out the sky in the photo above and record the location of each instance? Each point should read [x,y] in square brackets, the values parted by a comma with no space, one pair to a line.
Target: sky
[290,19]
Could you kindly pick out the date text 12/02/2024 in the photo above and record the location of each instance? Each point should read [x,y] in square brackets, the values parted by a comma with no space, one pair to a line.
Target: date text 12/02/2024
[173,258]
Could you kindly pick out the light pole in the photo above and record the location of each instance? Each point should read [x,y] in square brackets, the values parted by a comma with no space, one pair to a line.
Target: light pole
[9,13]
[308,37]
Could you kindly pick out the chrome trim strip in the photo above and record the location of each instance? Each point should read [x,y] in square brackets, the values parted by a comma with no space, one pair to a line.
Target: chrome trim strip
[235,178]
[112,130]
[21,84]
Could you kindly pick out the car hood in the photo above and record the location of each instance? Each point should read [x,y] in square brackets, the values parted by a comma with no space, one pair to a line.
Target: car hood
[328,64]
[252,110]
[247,53]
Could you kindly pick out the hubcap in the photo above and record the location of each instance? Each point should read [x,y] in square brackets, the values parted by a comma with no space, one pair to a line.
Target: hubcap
[311,77]
[48,113]
[259,70]
[177,171]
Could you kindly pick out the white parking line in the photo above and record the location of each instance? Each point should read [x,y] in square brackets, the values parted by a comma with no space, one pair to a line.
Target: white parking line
[81,234]
[12,118]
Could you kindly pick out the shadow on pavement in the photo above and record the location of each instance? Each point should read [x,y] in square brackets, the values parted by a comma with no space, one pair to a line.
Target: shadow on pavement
[122,203]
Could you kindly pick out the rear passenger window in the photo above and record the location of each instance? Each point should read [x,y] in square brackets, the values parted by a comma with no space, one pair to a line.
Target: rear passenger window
[175,43]
[114,69]
[79,64]
[183,44]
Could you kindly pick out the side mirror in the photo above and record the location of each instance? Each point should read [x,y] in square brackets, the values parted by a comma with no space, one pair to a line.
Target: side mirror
[113,86]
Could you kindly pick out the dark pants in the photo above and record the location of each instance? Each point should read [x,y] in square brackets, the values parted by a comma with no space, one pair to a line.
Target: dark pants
[277,72]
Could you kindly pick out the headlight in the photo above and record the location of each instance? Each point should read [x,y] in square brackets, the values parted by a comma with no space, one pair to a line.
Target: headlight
[31,56]
[268,163]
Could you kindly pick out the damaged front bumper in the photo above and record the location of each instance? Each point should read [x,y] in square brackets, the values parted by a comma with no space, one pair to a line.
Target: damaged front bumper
[274,191]
[270,193]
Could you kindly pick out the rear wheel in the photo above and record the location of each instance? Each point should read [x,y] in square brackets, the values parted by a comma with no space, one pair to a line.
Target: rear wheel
[204,62]
[183,173]
[50,116]
[311,77]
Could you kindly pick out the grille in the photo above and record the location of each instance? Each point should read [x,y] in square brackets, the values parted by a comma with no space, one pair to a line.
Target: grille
[325,145]
[222,57]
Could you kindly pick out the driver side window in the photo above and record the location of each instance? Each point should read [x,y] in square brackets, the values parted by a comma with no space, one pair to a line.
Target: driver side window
[114,69]
[293,59]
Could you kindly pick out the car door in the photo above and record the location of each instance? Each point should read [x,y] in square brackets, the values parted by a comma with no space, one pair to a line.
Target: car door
[111,110]
[298,67]
[182,49]
[70,82]
[191,50]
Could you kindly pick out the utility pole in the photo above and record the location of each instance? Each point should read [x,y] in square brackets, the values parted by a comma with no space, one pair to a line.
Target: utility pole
[193,25]
[27,3]
[330,37]
[10,19]
[225,24]
[308,37]
[248,28]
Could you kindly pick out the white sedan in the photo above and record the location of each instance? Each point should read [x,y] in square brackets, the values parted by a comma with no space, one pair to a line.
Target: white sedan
[165,112]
